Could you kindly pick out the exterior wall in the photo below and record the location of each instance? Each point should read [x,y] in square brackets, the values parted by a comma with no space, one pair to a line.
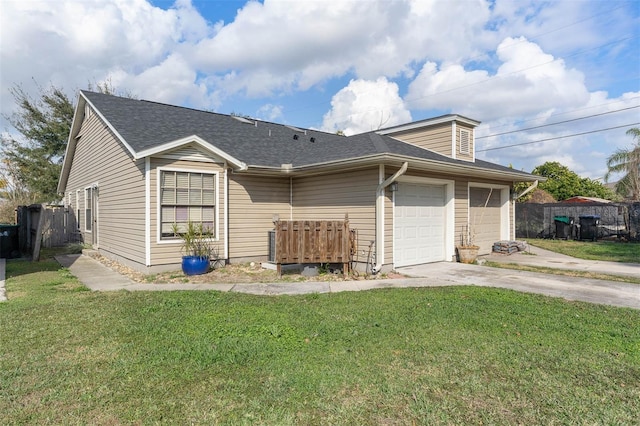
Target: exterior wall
[100,159]
[439,138]
[435,138]
[253,202]
[330,197]
[169,252]
[461,211]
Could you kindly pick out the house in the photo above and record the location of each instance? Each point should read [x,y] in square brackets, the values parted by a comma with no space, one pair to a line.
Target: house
[133,168]
[589,200]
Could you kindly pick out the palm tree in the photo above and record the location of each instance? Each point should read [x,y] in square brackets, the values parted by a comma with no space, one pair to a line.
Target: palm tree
[627,161]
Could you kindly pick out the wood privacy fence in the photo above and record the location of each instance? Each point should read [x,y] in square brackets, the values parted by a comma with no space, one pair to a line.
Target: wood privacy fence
[312,241]
[45,226]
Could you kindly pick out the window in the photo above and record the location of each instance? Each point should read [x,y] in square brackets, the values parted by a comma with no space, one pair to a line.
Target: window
[88,203]
[186,197]
[465,141]
[77,212]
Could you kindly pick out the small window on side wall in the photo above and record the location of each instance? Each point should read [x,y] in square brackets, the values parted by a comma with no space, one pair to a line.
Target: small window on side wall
[465,141]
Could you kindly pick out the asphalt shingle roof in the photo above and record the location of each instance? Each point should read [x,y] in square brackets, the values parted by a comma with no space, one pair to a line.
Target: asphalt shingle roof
[146,125]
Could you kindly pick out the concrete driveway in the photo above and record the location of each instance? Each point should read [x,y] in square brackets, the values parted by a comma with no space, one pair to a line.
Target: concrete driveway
[571,288]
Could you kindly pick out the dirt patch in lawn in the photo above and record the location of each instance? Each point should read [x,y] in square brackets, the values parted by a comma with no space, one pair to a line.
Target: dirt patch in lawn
[232,274]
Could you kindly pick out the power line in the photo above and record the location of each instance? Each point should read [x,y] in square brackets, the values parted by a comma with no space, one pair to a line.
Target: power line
[559,122]
[568,112]
[558,137]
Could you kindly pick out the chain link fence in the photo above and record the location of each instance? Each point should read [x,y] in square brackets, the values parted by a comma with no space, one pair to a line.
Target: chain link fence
[616,220]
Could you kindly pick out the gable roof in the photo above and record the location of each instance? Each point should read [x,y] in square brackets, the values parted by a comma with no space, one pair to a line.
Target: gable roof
[147,128]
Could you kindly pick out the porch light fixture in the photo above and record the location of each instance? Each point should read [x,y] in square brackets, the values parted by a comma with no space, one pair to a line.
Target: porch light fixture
[393,187]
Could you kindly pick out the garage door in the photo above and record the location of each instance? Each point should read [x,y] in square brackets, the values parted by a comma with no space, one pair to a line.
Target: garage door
[485,217]
[419,227]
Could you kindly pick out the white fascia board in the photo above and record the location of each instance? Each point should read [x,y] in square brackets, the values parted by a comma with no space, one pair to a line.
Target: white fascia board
[70,149]
[416,163]
[192,139]
[429,122]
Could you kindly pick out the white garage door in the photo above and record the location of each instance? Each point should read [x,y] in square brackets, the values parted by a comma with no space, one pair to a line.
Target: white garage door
[485,217]
[419,232]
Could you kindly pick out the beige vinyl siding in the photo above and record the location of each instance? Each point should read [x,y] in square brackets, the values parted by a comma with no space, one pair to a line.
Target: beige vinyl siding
[167,252]
[253,201]
[461,211]
[459,154]
[101,159]
[436,138]
[330,197]
[388,222]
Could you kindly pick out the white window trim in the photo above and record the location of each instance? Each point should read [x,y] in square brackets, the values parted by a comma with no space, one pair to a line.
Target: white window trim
[84,211]
[78,192]
[159,171]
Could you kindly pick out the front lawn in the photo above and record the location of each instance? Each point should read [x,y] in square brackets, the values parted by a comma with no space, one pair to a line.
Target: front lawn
[600,250]
[458,355]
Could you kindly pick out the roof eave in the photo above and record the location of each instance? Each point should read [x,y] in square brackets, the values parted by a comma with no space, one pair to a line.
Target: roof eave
[429,122]
[168,146]
[415,162]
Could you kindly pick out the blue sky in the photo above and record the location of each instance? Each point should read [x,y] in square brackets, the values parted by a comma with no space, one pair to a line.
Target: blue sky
[545,78]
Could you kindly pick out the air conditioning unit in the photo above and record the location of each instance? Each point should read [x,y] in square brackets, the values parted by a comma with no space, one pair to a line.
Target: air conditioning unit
[272,246]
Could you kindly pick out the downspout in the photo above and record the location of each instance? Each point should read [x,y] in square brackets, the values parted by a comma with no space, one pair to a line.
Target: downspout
[380,216]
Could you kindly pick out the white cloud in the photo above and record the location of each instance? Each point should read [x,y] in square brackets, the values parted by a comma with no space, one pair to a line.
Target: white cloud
[270,112]
[72,43]
[527,81]
[366,105]
[509,64]
[291,45]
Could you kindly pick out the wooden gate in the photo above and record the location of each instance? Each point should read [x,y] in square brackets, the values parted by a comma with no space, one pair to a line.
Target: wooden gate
[312,241]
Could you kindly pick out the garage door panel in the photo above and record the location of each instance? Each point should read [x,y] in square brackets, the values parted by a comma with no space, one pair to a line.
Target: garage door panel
[419,224]
[485,217]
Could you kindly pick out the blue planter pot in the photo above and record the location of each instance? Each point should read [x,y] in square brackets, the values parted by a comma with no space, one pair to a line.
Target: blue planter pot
[195,265]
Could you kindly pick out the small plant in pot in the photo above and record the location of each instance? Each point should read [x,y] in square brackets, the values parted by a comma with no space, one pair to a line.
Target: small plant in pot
[467,250]
[196,244]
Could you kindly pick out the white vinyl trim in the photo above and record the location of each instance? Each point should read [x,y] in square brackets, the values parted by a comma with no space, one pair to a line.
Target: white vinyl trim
[147,211]
[159,239]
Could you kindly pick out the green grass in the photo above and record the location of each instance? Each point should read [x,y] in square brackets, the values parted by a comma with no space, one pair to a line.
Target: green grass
[458,355]
[601,250]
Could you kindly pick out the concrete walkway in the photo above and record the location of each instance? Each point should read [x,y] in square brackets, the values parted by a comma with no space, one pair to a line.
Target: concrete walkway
[98,277]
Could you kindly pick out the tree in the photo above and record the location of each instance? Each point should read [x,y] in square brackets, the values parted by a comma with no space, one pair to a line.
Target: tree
[563,183]
[35,161]
[627,161]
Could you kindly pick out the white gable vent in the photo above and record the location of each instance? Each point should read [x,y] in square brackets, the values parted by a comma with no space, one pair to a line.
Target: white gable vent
[465,141]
